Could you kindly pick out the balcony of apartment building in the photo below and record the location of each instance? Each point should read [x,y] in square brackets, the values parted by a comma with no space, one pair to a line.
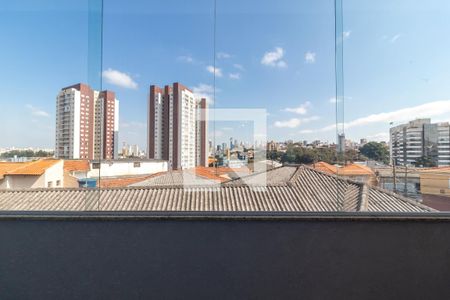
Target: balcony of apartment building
[137,229]
[329,238]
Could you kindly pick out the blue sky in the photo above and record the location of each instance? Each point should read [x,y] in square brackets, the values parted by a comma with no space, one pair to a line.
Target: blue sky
[273,55]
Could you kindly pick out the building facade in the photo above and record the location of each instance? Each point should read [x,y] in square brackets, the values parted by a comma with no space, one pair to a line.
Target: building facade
[44,173]
[421,139]
[87,123]
[177,127]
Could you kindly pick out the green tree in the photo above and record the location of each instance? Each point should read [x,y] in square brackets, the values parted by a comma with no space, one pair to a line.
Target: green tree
[425,161]
[375,151]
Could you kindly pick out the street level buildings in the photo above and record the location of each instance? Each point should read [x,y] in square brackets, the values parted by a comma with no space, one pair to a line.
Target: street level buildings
[87,123]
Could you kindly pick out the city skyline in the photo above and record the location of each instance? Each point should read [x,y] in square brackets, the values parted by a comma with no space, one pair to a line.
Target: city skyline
[286,69]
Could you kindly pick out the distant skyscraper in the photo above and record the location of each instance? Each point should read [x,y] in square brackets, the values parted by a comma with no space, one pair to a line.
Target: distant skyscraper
[106,125]
[341,143]
[87,123]
[177,127]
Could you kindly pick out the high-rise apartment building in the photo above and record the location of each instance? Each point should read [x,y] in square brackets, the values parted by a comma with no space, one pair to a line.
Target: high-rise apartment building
[420,138]
[106,125]
[87,123]
[177,127]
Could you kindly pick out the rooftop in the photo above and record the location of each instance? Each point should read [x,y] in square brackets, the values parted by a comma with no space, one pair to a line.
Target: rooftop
[289,189]
[347,170]
[439,170]
[76,165]
[32,168]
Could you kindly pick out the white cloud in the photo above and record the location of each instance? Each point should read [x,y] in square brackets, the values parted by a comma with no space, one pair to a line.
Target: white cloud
[426,110]
[346,34]
[274,58]
[332,100]
[310,57]
[213,70]
[234,76]
[239,67]
[37,112]
[379,137]
[395,38]
[301,110]
[119,79]
[223,55]
[294,122]
[227,128]
[205,91]
[306,131]
[186,58]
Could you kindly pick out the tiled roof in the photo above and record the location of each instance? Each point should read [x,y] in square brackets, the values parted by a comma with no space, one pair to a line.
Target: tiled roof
[355,169]
[37,167]
[325,167]
[272,176]
[9,166]
[176,178]
[304,189]
[122,181]
[348,170]
[76,165]
[436,170]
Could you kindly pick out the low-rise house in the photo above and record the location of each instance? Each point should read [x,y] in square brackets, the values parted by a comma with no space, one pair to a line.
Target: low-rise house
[126,167]
[435,187]
[110,173]
[74,171]
[45,173]
[354,172]
[435,181]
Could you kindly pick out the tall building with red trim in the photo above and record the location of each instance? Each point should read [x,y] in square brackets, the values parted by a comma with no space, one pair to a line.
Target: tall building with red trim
[177,126]
[87,123]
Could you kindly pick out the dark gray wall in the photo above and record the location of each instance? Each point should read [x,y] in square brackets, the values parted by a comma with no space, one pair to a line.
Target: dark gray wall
[220,258]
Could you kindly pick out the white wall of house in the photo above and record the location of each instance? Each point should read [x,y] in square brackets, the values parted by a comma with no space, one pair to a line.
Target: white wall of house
[24,181]
[127,168]
[53,175]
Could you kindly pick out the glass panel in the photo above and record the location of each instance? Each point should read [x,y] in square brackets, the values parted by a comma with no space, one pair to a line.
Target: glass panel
[48,48]
[158,62]
[281,57]
[396,89]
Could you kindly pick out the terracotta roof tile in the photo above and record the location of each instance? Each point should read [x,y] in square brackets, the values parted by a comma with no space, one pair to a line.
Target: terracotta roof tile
[37,167]
[122,181]
[348,170]
[76,165]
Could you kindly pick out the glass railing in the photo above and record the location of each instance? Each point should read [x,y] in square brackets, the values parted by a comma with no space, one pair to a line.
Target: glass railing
[309,105]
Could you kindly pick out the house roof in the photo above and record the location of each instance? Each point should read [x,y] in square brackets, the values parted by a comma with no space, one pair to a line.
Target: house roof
[348,170]
[177,178]
[325,167]
[298,189]
[440,170]
[81,165]
[197,176]
[9,166]
[122,181]
[33,168]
